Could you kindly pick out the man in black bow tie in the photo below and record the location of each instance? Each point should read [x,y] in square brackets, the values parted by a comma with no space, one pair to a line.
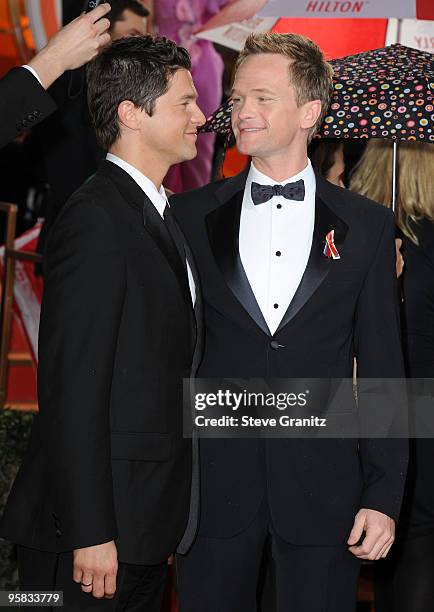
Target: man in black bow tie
[102,498]
[298,279]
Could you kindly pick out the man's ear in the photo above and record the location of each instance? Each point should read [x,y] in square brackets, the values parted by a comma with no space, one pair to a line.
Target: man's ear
[310,113]
[129,115]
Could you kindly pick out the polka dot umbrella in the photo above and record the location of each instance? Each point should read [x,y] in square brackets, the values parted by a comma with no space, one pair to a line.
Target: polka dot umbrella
[384,93]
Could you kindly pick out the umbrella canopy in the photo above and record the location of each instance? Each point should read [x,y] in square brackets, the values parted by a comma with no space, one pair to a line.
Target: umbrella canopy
[385,93]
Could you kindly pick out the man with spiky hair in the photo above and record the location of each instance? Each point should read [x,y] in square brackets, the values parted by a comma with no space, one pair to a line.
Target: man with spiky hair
[103,495]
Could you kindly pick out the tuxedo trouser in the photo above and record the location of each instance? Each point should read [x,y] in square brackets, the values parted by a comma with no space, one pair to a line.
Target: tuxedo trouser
[139,588]
[221,574]
[404,582]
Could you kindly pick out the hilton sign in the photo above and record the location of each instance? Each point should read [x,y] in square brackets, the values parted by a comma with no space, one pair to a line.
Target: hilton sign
[382,9]
[336,6]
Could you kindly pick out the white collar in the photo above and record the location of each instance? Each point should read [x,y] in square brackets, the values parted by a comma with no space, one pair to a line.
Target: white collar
[157,197]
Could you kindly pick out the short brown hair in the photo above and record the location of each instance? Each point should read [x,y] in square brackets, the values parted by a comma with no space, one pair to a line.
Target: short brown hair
[309,73]
[136,68]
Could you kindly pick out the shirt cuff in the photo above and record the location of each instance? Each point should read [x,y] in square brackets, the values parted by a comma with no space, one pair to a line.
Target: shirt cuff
[35,74]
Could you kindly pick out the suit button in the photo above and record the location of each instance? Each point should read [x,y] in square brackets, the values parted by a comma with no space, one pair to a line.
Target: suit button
[275,345]
[30,117]
[36,113]
[24,123]
[58,533]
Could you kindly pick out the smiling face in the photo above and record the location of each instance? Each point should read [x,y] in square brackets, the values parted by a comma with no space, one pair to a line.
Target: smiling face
[171,131]
[266,120]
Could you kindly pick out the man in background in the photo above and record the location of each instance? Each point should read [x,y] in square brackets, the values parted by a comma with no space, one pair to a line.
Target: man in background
[67,141]
[23,100]
[128,18]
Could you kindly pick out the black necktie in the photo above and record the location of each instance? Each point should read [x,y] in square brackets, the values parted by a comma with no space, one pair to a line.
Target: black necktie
[175,234]
[290,191]
[164,237]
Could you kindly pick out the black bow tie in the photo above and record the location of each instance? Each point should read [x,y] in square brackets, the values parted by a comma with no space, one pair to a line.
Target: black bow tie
[290,191]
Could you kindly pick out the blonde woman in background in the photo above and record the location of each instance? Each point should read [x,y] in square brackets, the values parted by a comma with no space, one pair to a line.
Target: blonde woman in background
[405,582]
[372,178]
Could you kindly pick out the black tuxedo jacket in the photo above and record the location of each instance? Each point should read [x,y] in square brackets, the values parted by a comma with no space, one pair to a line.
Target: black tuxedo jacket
[107,458]
[23,103]
[342,308]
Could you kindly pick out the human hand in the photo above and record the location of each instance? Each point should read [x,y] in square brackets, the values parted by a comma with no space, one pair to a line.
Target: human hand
[379,532]
[74,45]
[399,257]
[95,568]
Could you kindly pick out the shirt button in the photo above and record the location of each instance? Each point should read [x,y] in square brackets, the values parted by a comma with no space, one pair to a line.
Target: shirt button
[279,206]
[278,253]
[276,305]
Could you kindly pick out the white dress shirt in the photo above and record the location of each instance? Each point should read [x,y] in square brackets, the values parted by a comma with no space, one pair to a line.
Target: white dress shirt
[275,241]
[158,199]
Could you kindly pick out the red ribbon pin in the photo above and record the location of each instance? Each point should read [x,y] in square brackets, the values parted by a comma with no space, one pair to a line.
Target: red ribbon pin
[330,249]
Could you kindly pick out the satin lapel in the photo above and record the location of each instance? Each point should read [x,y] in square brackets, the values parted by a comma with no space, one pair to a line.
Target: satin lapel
[152,221]
[198,305]
[318,265]
[198,311]
[223,226]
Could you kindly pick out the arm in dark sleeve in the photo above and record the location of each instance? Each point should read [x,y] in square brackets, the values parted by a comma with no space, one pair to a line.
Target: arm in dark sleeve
[379,356]
[84,287]
[23,103]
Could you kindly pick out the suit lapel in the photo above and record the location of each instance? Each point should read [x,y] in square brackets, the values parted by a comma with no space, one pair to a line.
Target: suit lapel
[318,265]
[198,310]
[152,221]
[223,225]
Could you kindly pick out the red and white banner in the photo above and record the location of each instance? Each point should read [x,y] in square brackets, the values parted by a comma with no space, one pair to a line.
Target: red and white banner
[365,9]
[355,36]
[27,288]
[411,33]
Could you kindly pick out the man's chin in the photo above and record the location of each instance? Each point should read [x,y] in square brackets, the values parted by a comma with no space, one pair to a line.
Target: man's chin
[189,155]
[246,150]
[186,156]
